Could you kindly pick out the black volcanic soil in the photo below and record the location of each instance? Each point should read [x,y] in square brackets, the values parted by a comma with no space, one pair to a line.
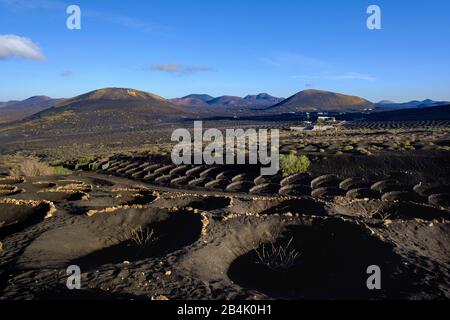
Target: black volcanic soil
[205,243]
[377,193]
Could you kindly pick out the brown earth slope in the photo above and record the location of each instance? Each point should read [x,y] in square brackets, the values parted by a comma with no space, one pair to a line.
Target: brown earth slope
[317,100]
[104,109]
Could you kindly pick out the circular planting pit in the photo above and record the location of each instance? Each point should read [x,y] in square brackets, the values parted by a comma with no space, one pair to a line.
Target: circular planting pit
[180,170]
[354,183]
[386,186]
[428,189]
[267,179]
[18,214]
[220,184]
[112,236]
[210,203]
[151,177]
[306,206]
[125,169]
[401,196]
[246,176]
[139,174]
[300,206]
[11,180]
[407,211]
[62,195]
[299,178]
[44,184]
[329,180]
[326,259]
[71,183]
[266,188]
[131,172]
[196,202]
[165,169]
[151,168]
[440,200]
[327,192]
[240,186]
[210,173]
[199,182]
[181,181]
[362,193]
[297,190]
[228,174]
[164,180]
[140,198]
[195,172]
[9,190]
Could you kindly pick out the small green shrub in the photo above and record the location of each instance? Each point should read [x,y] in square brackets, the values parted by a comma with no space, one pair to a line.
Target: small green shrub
[60,170]
[83,161]
[292,164]
[349,148]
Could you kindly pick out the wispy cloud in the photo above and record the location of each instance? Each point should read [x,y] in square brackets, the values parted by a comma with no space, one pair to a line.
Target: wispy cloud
[289,60]
[175,68]
[32,4]
[108,17]
[122,20]
[316,69]
[352,76]
[66,73]
[336,77]
[15,46]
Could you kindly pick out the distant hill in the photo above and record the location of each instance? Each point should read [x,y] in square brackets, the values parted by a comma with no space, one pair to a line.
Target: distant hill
[389,105]
[202,97]
[193,100]
[109,108]
[16,110]
[317,100]
[429,113]
[229,101]
[261,100]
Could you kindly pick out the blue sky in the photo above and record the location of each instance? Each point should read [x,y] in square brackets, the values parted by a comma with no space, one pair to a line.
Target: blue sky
[233,47]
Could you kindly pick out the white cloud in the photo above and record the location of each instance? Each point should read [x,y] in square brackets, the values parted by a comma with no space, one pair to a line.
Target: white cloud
[176,68]
[20,47]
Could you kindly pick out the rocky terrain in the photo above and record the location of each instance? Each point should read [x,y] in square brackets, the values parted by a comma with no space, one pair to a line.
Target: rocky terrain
[377,192]
[143,229]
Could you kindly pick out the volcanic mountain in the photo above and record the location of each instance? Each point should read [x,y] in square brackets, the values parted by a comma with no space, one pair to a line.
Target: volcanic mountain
[16,110]
[110,109]
[389,105]
[262,100]
[440,112]
[317,100]
[193,100]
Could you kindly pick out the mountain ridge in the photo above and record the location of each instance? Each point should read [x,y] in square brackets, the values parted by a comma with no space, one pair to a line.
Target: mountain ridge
[313,100]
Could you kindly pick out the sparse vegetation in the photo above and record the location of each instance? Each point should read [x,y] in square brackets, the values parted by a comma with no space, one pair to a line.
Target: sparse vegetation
[292,164]
[140,236]
[82,161]
[277,257]
[348,148]
[32,167]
